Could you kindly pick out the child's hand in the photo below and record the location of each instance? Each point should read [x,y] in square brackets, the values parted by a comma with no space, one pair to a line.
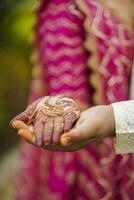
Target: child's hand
[49,117]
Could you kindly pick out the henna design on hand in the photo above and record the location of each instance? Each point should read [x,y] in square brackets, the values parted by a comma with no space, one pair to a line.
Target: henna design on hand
[50,116]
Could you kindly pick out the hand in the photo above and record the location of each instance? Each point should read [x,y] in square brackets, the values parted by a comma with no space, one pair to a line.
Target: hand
[93,125]
[49,117]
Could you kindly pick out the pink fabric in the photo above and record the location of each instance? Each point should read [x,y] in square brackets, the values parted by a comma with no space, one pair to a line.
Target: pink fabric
[95,172]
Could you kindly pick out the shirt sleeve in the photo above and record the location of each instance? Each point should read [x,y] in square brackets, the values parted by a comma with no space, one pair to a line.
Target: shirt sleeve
[124,125]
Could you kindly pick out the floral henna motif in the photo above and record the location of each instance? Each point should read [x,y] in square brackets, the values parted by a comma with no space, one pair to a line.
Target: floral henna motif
[72,116]
[58,115]
[69,105]
[30,109]
[51,116]
[29,112]
[54,111]
[27,115]
[60,108]
[41,115]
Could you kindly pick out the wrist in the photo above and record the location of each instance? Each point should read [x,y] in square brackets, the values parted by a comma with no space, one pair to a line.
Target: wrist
[110,120]
[105,122]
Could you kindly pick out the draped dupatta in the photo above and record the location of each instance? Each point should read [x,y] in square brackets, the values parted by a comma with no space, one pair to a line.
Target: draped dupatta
[111,52]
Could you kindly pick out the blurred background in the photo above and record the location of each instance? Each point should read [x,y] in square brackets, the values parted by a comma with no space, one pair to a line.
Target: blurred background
[16,33]
[16,22]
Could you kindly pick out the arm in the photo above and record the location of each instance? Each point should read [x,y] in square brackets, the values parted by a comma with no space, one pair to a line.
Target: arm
[102,121]
[97,123]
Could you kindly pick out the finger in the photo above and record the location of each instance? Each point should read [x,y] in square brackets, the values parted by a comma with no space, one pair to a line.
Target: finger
[69,119]
[58,128]
[19,125]
[21,117]
[27,115]
[30,128]
[26,135]
[70,137]
[81,105]
[48,130]
[68,125]
[60,96]
[38,129]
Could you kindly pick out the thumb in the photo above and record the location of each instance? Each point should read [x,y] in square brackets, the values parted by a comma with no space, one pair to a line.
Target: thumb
[21,117]
[69,137]
[26,135]
[19,125]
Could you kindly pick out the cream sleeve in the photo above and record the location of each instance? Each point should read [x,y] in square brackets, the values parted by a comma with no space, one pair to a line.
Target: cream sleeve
[124,125]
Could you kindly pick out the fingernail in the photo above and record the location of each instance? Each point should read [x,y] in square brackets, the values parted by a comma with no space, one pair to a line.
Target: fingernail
[39,142]
[12,124]
[30,128]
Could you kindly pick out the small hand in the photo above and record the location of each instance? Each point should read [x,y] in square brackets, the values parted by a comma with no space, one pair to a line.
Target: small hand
[49,117]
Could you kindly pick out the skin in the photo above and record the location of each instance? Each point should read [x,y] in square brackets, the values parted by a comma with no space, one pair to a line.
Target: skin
[93,125]
[49,117]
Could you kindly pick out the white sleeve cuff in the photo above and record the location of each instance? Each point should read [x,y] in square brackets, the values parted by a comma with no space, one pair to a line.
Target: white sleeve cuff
[124,126]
